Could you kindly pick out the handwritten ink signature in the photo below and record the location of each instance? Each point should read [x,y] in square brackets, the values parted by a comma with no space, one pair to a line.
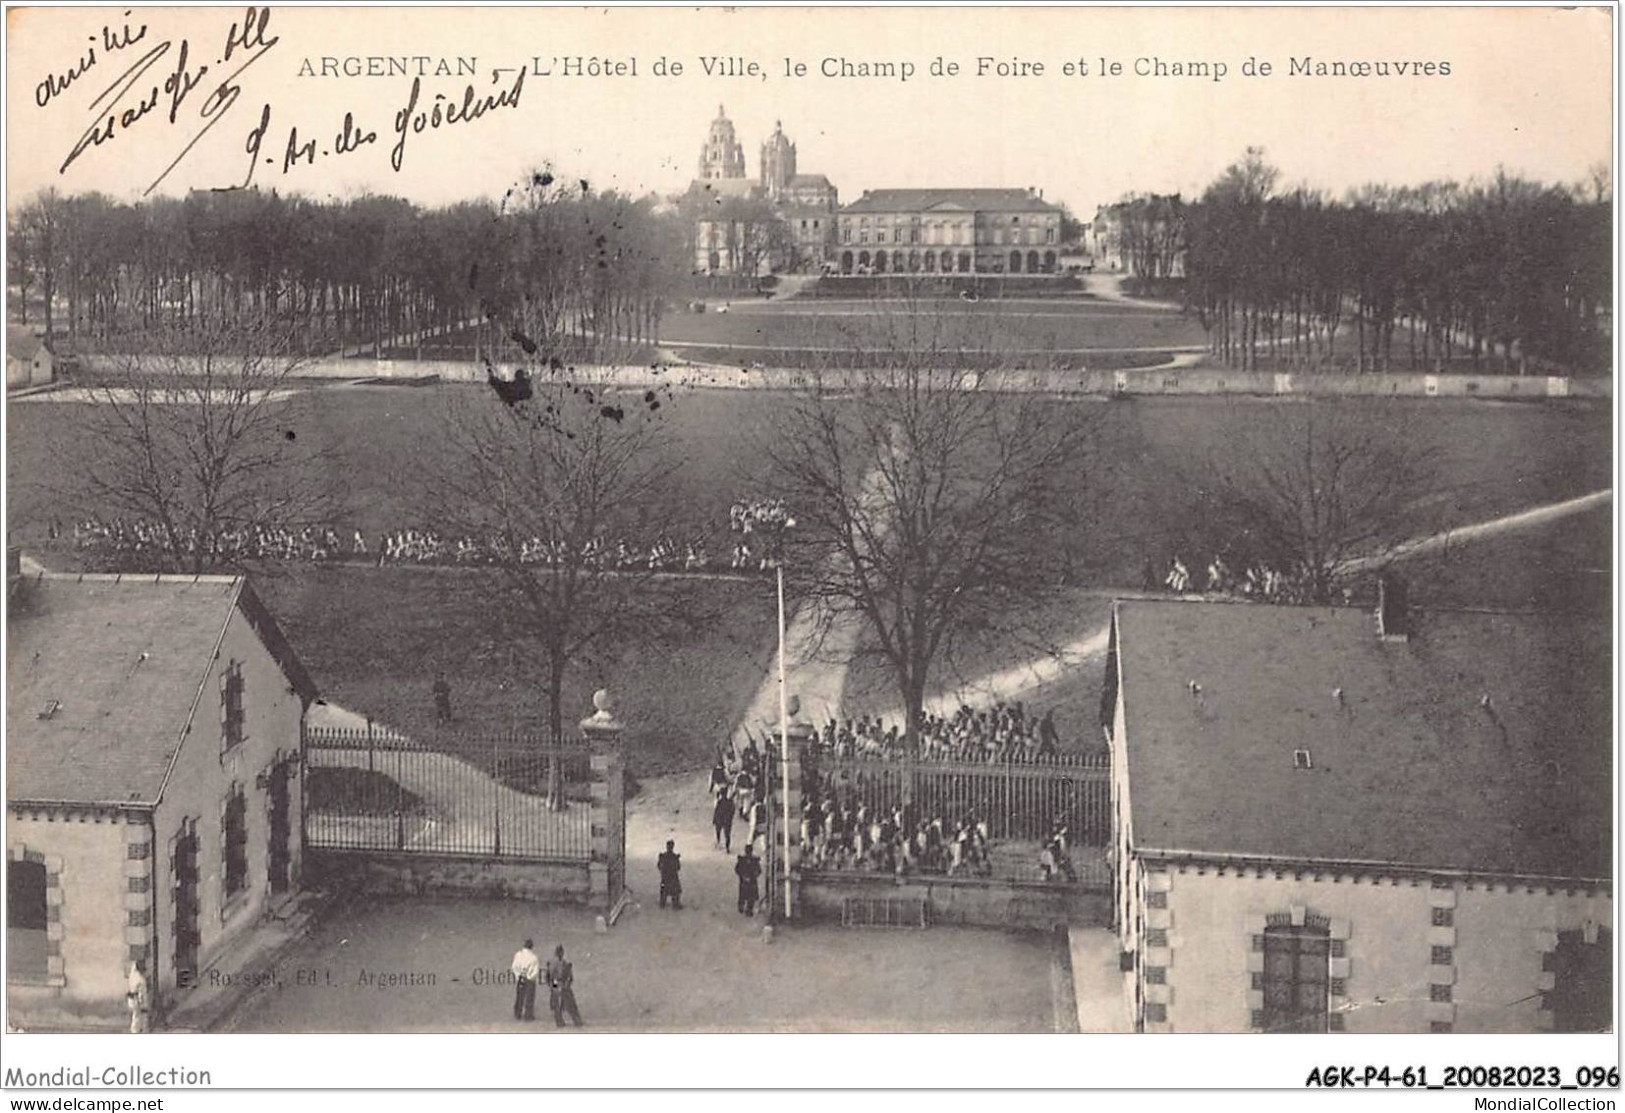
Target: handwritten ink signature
[172,82]
[443,111]
[55,84]
[113,115]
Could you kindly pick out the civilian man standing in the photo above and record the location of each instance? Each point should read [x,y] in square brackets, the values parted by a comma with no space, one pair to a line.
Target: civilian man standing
[526,969]
[137,997]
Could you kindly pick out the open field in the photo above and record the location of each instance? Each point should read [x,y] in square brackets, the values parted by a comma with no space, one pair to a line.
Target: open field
[1153,455]
[375,638]
[1030,325]
[799,332]
[379,444]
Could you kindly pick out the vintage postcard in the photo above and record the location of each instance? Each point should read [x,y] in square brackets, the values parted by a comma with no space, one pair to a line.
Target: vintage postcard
[1089,520]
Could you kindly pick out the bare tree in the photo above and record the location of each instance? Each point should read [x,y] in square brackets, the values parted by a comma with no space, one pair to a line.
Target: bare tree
[1323,484]
[930,489]
[196,440]
[40,226]
[547,487]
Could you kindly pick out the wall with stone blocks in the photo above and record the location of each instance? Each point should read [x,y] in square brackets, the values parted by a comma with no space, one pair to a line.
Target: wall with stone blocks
[563,882]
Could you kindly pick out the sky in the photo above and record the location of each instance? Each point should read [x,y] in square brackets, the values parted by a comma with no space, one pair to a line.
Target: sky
[1526,88]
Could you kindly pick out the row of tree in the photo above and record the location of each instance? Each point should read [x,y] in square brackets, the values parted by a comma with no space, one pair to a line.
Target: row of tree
[569,265]
[1505,273]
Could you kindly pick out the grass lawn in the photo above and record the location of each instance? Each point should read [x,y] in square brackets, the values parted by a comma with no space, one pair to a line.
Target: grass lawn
[357,792]
[1017,324]
[1070,332]
[374,640]
[1159,456]
[1564,566]
[1032,325]
[1031,636]
[379,443]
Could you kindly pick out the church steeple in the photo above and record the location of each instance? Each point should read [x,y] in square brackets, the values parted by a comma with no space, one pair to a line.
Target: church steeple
[722,156]
[778,162]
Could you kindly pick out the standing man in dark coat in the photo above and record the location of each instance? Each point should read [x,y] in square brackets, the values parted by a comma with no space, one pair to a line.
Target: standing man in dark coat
[670,864]
[748,869]
[722,819]
[561,992]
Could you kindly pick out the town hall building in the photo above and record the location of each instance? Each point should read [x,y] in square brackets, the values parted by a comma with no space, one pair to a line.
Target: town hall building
[949,231]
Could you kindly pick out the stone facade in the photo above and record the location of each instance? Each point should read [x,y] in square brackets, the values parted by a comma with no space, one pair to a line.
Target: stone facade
[722,156]
[179,882]
[949,231]
[782,221]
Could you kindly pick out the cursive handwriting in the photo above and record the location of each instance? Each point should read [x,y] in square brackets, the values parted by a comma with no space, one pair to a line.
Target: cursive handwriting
[442,111]
[55,84]
[117,110]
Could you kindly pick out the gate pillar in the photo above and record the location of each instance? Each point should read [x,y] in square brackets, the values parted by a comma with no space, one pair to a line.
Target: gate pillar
[607,869]
[785,852]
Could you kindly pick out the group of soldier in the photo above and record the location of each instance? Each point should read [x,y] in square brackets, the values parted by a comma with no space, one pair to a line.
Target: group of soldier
[851,835]
[1002,732]
[758,527]
[1254,582]
[138,542]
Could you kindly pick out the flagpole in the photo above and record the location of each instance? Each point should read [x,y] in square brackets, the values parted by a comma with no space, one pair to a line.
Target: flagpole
[784,740]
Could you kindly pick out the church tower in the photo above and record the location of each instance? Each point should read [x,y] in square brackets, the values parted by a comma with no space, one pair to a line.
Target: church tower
[778,163]
[723,156]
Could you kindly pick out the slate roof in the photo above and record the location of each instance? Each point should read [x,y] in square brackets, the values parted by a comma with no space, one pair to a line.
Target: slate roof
[719,189]
[810,180]
[126,657]
[978,200]
[1410,768]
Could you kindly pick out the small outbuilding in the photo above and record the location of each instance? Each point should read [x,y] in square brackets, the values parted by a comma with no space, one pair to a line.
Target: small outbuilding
[152,812]
[29,360]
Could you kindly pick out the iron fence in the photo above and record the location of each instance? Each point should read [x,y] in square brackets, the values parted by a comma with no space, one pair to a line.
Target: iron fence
[504,796]
[1022,800]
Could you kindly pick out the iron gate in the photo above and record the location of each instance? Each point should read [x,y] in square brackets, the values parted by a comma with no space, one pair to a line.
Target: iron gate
[502,796]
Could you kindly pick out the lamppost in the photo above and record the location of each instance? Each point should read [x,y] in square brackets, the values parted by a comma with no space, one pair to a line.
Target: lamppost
[772,521]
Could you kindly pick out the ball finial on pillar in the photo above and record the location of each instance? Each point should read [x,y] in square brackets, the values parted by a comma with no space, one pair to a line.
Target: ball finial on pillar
[602,725]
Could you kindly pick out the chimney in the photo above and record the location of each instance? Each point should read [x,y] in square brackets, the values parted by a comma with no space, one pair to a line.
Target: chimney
[1393,608]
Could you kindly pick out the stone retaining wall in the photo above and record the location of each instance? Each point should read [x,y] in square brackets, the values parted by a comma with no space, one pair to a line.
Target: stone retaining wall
[552,882]
[1133,382]
[970,902]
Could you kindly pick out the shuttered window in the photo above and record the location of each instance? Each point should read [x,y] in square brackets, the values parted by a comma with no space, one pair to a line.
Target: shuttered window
[1296,978]
[231,706]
